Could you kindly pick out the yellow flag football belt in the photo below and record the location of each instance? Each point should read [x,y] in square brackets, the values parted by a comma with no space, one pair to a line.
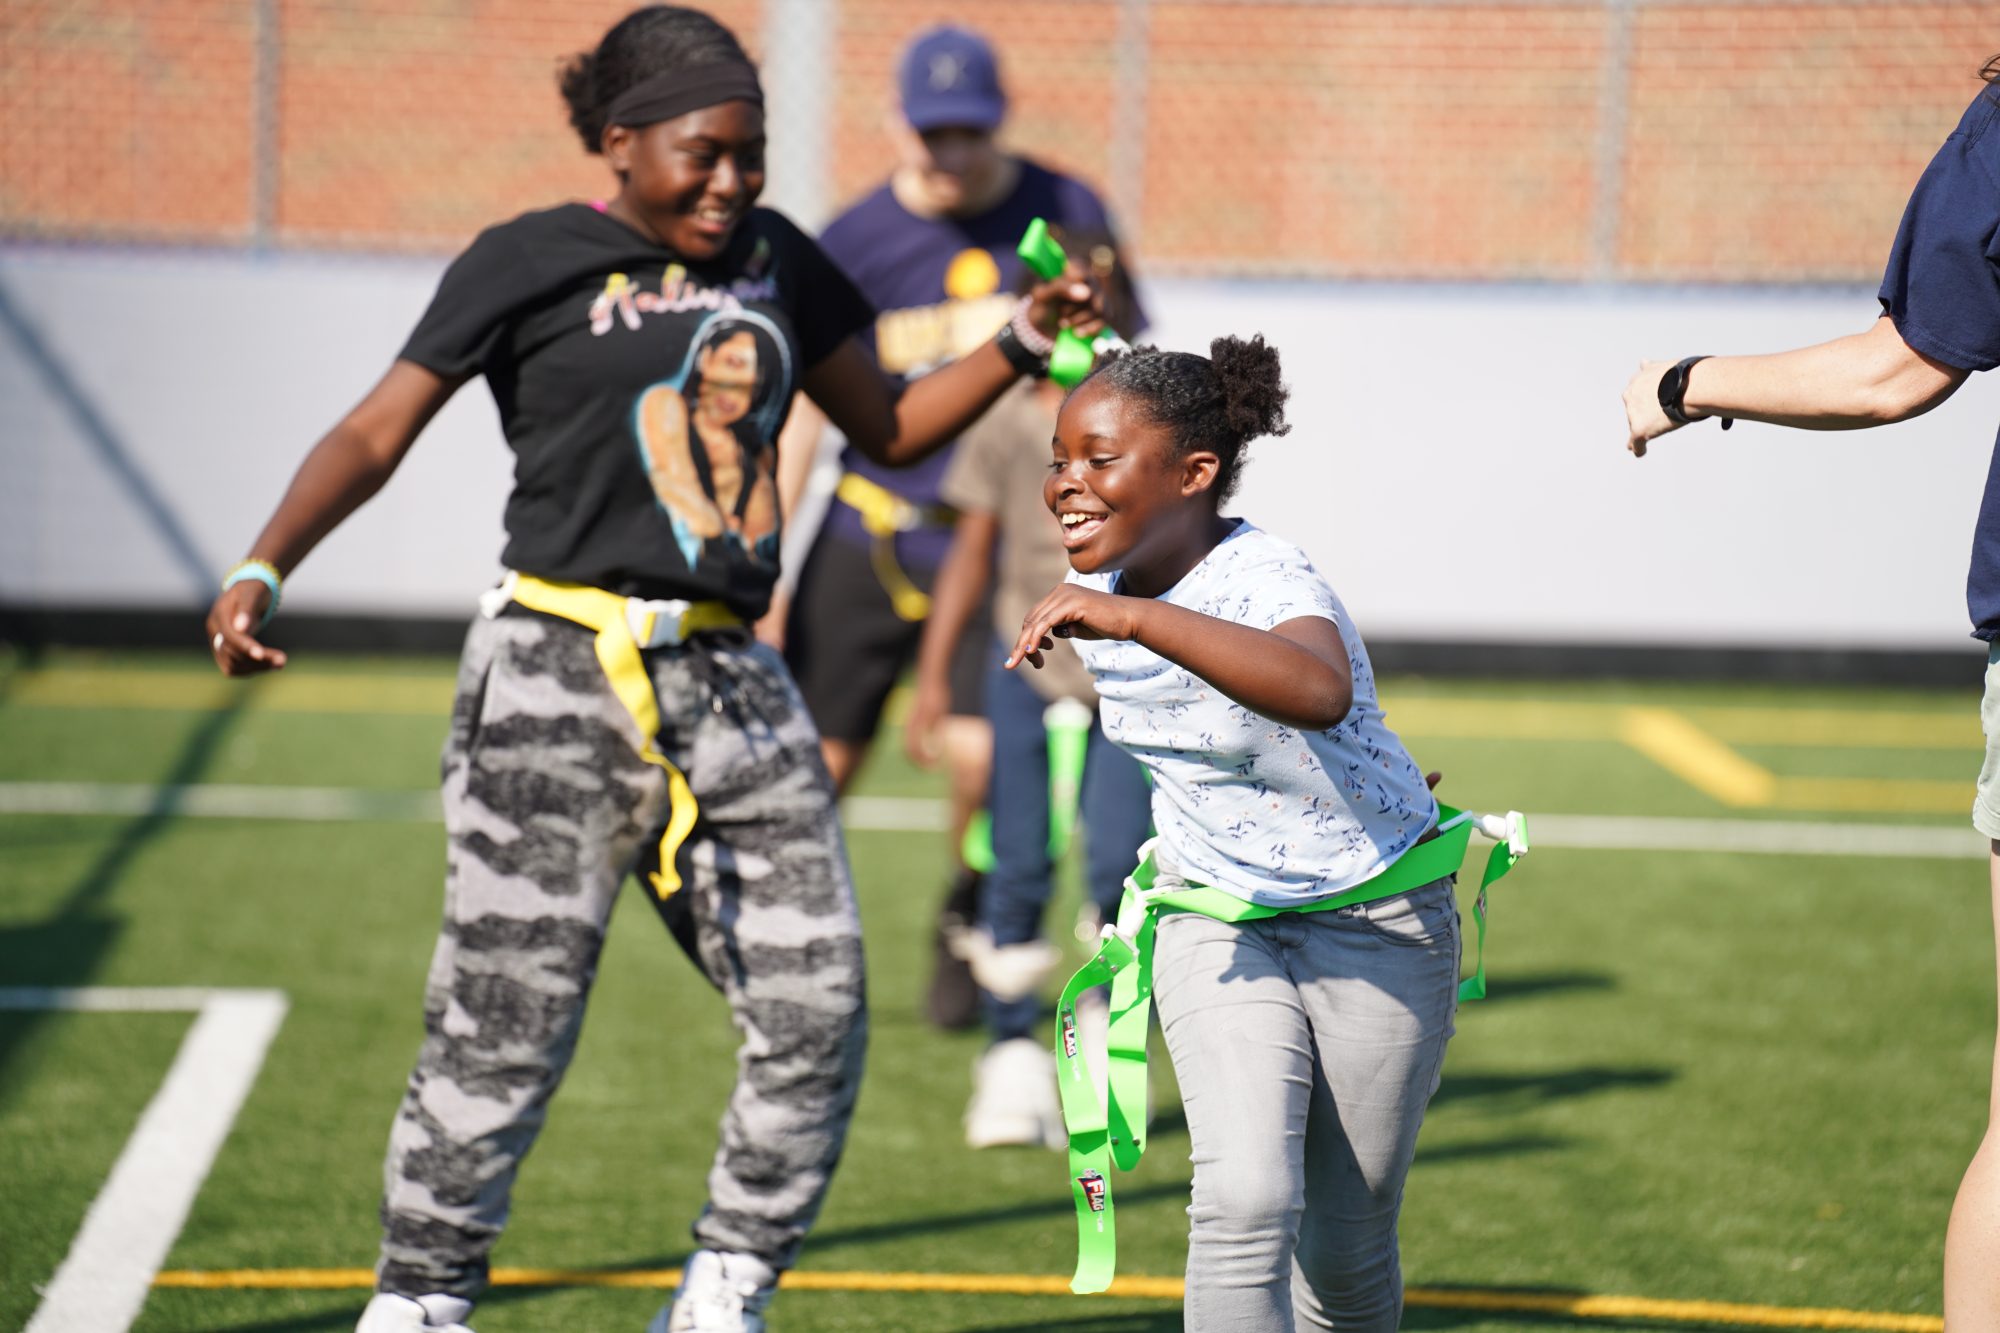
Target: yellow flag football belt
[626,626]
[883,514]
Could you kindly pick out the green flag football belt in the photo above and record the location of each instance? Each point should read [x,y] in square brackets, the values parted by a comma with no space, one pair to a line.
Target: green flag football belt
[1104,1131]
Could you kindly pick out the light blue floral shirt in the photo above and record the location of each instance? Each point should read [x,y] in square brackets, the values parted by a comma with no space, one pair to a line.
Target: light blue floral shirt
[1267,812]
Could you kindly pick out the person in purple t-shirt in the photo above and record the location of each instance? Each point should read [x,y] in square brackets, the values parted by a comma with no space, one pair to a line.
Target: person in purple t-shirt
[933,250]
[1940,321]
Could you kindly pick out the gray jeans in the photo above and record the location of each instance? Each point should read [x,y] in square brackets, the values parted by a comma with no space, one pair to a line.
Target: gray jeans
[1307,1047]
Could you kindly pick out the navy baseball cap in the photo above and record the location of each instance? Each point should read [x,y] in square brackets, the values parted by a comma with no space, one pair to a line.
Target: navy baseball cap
[948,76]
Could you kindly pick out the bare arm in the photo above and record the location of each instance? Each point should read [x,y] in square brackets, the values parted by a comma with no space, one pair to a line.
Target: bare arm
[956,596]
[898,430]
[1866,379]
[1296,673]
[347,466]
[798,450]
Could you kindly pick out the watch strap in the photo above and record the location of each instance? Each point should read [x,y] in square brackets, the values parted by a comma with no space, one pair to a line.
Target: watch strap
[1673,390]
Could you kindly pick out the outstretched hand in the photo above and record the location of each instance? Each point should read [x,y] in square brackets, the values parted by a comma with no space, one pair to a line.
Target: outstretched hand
[1072,612]
[232,635]
[1645,420]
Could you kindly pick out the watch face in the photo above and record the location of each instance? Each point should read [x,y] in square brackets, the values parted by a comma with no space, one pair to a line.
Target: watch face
[1671,388]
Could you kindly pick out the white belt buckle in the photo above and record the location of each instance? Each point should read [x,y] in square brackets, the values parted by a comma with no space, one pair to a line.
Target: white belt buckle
[657,624]
[494,600]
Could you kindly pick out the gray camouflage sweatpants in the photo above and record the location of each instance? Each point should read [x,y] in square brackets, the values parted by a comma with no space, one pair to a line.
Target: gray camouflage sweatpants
[548,807]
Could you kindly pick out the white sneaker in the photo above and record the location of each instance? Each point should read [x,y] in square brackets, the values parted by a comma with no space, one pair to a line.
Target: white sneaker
[1014,1099]
[435,1313]
[719,1293]
[1008,971]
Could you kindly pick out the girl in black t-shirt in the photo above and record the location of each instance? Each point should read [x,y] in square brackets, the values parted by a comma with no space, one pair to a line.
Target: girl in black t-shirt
[613,714]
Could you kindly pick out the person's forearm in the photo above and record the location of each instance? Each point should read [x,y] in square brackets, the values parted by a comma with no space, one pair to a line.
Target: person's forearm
[933,411]
[957,593]
[1865,379]
[1265,672]
[798,450]
[340,474]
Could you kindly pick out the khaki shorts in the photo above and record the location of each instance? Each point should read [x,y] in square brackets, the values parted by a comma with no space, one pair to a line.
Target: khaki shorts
[1986,804]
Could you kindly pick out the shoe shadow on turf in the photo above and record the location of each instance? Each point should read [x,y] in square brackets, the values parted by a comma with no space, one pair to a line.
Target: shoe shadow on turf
[340,1317]
[1554,1085]
[825,1239]
[1534,985]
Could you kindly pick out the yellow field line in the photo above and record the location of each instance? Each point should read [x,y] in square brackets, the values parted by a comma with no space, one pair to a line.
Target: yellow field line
[1152,1288]
[1842,729]
[1695,757]
[1901,795]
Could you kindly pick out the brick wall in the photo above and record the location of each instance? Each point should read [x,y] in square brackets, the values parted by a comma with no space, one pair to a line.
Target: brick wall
[1382,139]
[124,118]
[1666,140]
[1780,141]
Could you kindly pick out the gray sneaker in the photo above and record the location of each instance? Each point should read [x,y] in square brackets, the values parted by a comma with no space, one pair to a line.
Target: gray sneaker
[720,1292]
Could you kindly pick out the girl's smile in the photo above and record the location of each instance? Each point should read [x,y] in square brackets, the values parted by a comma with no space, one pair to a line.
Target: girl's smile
[1079,526]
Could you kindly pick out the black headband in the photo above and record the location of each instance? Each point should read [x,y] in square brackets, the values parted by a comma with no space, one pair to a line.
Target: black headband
[665,96]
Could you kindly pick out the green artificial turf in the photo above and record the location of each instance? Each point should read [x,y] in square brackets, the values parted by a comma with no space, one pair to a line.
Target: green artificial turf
[1742,1078]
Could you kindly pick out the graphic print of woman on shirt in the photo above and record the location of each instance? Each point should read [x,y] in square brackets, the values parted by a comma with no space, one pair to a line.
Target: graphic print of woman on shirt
[727,390]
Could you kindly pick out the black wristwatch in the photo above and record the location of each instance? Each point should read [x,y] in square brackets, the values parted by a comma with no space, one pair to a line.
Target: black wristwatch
[1673,389]
[1024,361]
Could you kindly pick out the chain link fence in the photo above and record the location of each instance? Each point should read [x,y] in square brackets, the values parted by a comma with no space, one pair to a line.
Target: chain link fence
[1559,140]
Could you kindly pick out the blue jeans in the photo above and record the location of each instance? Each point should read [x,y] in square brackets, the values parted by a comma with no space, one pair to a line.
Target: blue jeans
[1114,812]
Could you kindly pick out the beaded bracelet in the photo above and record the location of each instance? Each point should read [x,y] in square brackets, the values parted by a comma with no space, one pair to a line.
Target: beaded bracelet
[264,572]
[1018,356]
[1031,337]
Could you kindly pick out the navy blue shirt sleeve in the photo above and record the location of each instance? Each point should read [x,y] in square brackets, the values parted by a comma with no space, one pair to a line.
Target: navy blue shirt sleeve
[1942,285]
[850,239]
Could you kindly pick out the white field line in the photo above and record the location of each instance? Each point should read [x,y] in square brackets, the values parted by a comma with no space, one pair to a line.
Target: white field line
[1640,833]
[103,1280]
[920,814]
[895,814]
[216,801]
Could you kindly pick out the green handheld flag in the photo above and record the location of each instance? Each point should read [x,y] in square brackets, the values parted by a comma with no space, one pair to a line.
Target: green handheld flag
[1073,355]
[1069,724]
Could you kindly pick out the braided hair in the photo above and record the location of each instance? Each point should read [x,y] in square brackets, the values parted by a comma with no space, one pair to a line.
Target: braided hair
[658,39]
[1219,402]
